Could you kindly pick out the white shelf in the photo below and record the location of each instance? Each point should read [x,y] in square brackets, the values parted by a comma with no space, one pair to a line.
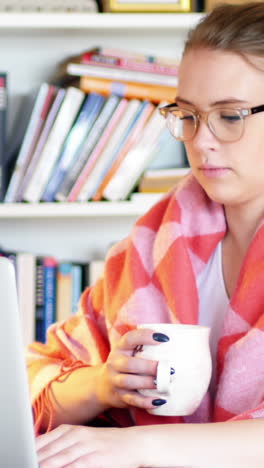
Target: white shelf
[73,210]
[106,21]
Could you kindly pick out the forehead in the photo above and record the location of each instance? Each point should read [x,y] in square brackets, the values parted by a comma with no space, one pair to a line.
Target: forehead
[210,75]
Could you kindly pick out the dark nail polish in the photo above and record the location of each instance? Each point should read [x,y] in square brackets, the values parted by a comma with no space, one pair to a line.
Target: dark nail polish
[159,402]
[160,337]
[172,371]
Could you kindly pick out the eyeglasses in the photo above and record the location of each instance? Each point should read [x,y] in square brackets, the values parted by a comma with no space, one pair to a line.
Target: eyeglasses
[226,124]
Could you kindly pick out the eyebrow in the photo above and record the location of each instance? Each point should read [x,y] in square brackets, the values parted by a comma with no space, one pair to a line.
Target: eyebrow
[215,103]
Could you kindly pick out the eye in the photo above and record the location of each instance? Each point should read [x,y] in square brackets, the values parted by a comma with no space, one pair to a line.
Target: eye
[230,117]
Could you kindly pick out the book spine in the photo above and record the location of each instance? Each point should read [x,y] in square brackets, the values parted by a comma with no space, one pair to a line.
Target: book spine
[53,146]
[40,332]
[81,69]
[3,123]
[133,136]
[128,64]
[73,143]
[64,291]
[132,55]
[97,150]
[135,161]
[28,141]
[100,116]
[50,273]
[76,286]
[130,90]
[41,142]
[112,148]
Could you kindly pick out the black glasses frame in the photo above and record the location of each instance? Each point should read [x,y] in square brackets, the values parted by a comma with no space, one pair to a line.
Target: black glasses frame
[243,112]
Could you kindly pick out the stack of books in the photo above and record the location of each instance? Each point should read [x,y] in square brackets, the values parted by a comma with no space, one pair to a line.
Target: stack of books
[93,141]
[48,289]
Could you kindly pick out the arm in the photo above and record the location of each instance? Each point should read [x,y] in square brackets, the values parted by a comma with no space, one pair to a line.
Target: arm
[237,444]
[228,444]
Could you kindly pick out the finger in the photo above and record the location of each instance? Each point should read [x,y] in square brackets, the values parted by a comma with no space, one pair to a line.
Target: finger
[133,382]
[134,365]
[137,337]
[140,401]
[67,456]
[49,437]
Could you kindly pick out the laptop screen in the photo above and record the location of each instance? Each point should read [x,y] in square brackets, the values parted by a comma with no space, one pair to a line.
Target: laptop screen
[17,444]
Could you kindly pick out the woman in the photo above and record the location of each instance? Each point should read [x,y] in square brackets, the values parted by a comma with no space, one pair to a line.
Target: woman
[196,257]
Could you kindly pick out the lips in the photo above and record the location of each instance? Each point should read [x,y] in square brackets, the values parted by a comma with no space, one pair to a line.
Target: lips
[211,171]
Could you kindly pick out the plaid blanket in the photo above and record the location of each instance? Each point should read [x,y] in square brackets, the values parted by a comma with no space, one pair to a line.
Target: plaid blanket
[150,276]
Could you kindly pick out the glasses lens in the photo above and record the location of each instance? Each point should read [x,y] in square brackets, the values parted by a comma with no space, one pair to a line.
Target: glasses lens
[181,124]
[226,124]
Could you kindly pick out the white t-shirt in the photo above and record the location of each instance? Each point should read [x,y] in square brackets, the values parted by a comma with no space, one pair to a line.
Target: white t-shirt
[213,301]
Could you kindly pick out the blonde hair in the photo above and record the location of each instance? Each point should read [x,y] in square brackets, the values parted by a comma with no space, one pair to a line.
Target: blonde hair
[233,28]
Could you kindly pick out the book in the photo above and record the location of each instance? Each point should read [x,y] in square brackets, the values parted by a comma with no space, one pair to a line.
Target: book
[111,150]
[3,130]
[135,161]
[168,152]
[73,143]
[131,54]
[96,268]
[49,283]
[96,152]
[130,90]
[161,180]
[84,69]
[26,280]
[41,142]
[69,177]
[133,135]
[39,294]
[59,131]
[128,63]
[64,291]
[39,113]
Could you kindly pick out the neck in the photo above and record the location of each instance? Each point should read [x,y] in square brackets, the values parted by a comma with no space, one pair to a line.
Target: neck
[242,224]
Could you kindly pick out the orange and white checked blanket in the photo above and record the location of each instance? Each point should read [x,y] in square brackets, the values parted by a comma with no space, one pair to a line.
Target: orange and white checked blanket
[151,277]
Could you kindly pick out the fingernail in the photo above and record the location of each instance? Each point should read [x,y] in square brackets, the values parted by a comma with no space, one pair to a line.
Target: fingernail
[159,402]
[172,371]
[160,337]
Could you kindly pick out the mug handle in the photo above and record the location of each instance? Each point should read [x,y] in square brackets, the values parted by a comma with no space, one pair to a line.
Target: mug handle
[163,376]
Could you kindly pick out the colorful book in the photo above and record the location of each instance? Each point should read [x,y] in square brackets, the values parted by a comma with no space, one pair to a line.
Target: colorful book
[39,113]
[41,142]
[102,114]
[64,291]
[99,147]
[73,143]
[161,180]
[111,150]
[129,90]
[49,279]
[126,63]
[133,136]
[40,335]
[3,125]
[135,161]
[132,55]
[84,69]
[50,153]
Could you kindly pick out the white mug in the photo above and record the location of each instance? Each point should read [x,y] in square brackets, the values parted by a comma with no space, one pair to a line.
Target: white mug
[184,367]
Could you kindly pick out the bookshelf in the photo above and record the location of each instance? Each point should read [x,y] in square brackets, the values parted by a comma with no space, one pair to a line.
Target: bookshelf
[34,44]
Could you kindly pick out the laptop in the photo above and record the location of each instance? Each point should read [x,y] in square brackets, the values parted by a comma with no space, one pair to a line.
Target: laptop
[17,441]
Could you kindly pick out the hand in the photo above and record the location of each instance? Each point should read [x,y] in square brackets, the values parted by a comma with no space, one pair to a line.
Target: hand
[79,446]
[123,374]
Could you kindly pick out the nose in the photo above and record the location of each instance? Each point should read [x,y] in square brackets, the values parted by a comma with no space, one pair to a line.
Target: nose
[204,139]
